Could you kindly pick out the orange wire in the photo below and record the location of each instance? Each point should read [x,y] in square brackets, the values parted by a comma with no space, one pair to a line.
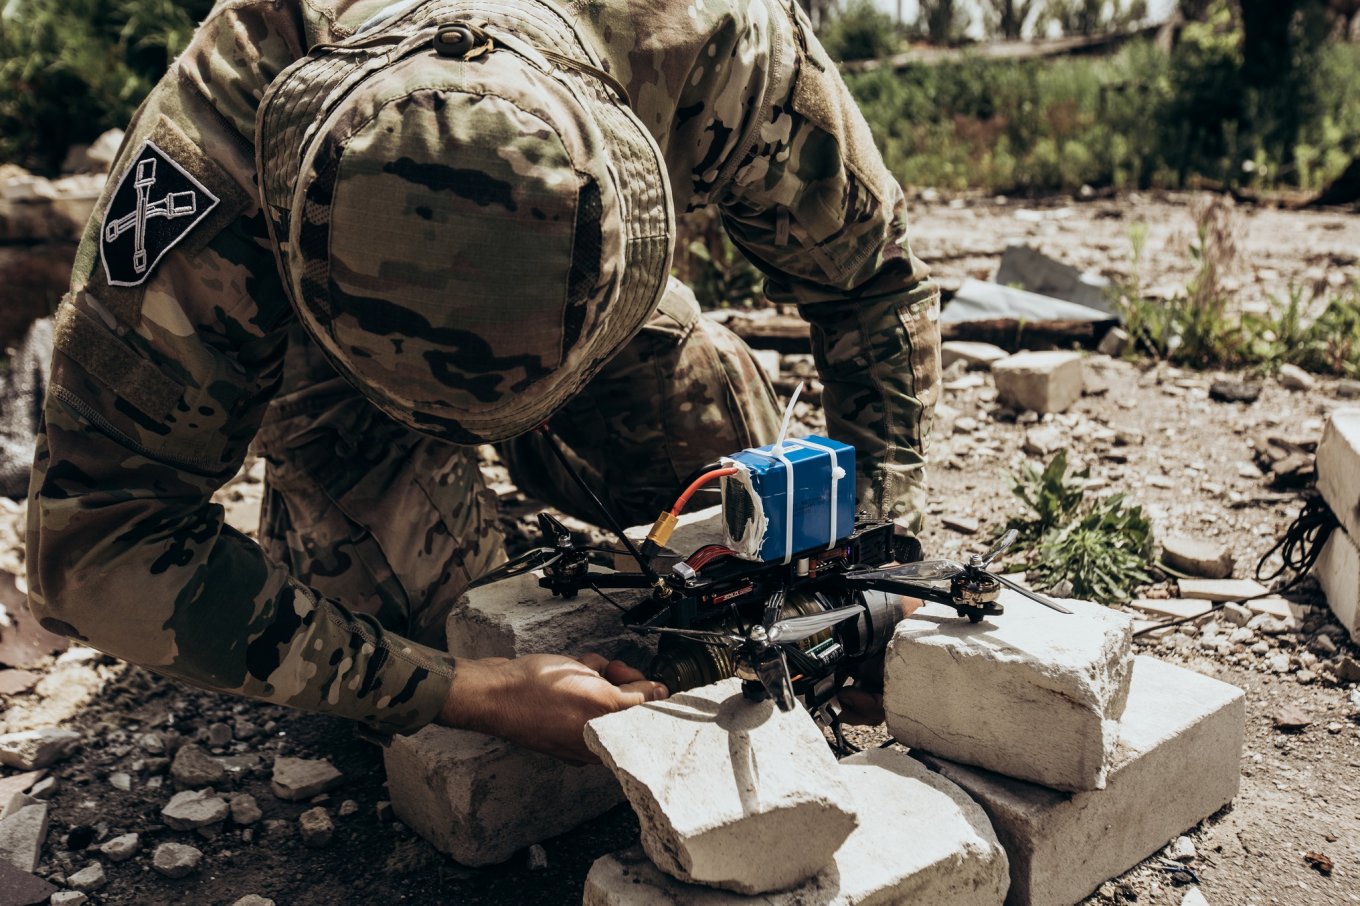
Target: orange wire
[699,483]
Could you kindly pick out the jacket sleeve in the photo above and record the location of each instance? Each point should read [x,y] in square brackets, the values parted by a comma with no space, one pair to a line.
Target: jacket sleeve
[168,349]
[814,206]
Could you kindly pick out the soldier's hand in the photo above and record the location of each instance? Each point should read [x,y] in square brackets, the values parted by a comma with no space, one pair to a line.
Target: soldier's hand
[542,701]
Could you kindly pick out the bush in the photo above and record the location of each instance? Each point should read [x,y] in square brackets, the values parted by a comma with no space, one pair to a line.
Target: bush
[70,69]
[861,32]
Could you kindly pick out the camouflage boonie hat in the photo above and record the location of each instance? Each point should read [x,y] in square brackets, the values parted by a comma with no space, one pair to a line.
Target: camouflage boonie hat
[468,217]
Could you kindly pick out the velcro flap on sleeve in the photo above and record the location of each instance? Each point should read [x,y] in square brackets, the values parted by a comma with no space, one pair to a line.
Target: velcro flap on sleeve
[110,360]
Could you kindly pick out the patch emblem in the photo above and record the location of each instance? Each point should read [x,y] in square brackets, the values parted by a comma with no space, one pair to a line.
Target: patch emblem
[155,205]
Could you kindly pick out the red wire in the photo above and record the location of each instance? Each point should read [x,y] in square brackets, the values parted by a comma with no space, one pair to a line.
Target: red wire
[699,483]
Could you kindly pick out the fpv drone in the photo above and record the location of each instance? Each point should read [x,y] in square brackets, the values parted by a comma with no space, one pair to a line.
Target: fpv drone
[803,591]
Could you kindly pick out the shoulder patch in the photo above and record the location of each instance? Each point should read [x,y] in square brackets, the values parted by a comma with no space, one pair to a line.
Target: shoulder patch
[157,203]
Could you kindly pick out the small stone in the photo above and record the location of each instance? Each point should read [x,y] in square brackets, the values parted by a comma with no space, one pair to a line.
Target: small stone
[89,878]
[1324,645]
[1193,897]
[1335,727]
[152,743]
[1043,441]
[964,525]
[347,808]
[538,858]
[297,779]
[1291,719]
[32,749]
[1039,381]
[244,729]
[253,899]
[965,425]
[44,788]
[17,682]
[22,832]
[1292,377]
[316,826]
[1182,849]
[1225,391]
[972,355]
[1236,614]
[122,847]
[1348,389]
[1346,669]
[219,735]
[1241,636]
[1279,663]
[244,809]
[120,780]
[176,860]
[68,898]
[194,768]
[383,810]
[191,810]
[1197,557]
[1115,343]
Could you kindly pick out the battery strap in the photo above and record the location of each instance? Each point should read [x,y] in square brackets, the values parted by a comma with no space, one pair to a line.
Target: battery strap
[777,454]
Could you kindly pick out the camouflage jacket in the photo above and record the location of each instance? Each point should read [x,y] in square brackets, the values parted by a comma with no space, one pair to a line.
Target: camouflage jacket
[160,383]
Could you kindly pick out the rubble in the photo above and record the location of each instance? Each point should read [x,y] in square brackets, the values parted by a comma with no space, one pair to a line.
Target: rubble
[1338,468]
[296,779]
[1036,694]
[193,768]
[480,799]
[1221,589]
[191,810]
[32,749]
[316,827]
[121,848]
[1180,745]
[176,860]
[252,899]
[89,878]
[919,840]
[20,888]
[767,775]
[23,829]
[1292,377]
[979,356]
[1338,572]
[1197,557]
[1039,381]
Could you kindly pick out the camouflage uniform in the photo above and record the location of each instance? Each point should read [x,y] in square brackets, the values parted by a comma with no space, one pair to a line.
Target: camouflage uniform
[161,383]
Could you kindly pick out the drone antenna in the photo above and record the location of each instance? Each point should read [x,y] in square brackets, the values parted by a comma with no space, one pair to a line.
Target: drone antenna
[788,417]
[610,521]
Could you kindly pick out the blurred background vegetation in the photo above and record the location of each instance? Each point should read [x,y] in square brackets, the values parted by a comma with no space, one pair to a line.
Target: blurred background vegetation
[1235,94]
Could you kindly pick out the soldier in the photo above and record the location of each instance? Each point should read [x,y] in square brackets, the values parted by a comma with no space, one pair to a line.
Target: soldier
[369,236]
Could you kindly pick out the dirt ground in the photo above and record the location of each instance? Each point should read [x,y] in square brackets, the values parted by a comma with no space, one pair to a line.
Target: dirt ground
[1152,432]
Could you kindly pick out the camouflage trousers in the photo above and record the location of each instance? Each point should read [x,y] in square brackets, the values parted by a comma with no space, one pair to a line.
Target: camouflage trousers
[395,524]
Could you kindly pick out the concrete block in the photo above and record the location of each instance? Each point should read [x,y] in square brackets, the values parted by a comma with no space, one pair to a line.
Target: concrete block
[22,833]
[1198,557]
[920,840]
[1221,589]
[980,356]
[515,617]
[1172,608]
[479,798]
[1338,467]
[1177,763]
[721,785]
[1033,693]
[1338,572]
[1040,381]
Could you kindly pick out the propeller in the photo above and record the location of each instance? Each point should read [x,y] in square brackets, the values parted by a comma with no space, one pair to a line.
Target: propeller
[557,544]
[761,652]
[979,564]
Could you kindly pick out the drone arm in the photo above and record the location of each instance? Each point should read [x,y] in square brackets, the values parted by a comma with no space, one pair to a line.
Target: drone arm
[869,581]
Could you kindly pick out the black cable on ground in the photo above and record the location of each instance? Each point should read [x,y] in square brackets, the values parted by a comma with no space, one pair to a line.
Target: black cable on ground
[1299,549]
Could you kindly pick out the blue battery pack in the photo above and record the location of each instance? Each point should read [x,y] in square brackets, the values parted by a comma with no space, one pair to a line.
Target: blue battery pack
[794,499]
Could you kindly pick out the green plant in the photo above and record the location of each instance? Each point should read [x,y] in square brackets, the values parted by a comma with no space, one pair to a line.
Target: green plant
[860,32]
[1051,495]
[1326,344]
[1102,548]
[70,69]
[1103,552]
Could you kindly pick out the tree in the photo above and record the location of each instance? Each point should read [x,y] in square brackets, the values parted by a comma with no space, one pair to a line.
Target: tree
[1092,17]
[942,21]
[1007,18]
